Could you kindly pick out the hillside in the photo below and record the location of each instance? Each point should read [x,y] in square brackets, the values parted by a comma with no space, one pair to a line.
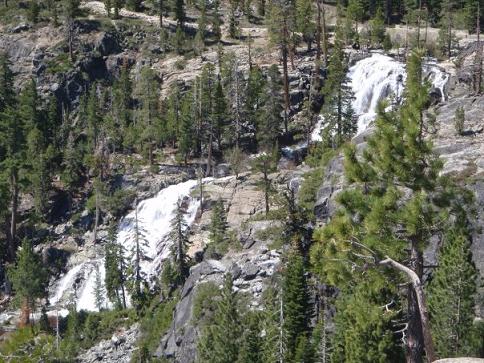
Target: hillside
[241,181]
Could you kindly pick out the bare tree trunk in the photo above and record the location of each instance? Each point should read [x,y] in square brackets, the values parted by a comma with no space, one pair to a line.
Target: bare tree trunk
[415,280]
[160,4]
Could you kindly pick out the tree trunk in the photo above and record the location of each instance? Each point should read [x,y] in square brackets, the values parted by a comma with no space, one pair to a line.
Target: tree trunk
[325,40]
[13,215]
[286,87]
[161,13]
[414,349]
[422,306]
[70,35]
[266,191]
[96,218]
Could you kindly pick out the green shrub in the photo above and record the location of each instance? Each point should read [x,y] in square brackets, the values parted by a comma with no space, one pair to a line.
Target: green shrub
[158,318]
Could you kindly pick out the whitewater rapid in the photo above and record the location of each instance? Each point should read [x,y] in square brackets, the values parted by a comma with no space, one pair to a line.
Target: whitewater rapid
[154,218]
[380,77]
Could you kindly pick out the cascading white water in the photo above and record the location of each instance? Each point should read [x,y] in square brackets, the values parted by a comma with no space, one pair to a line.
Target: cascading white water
[376,78]
[154,217]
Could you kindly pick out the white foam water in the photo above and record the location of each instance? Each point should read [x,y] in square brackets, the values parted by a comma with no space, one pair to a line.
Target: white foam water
[380,77]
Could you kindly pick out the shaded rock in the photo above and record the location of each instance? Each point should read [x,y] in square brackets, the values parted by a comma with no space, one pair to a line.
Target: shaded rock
[107,43]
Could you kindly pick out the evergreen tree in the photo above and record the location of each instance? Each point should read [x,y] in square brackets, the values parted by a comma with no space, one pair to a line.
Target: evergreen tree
[218,344]
[134,5]
[115,269]
[179,7]
[12,151]
[459,120]
[149,92]
[29,276]
[7,92]
[179,238]
[265,164]
[186,131]
[251,343]
[304,22]
[377,28]
[218,228]
[446,39]
[378,222]
[98,289]
[451,297]
[364,331]
[254,104]
[136,277]
[295,298]
[41,169]
[220,113]
[340,120]
[280,26]
[356,12]
[270,120]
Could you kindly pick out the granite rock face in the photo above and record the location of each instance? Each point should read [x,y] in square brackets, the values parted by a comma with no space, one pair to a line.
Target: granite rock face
[118,349]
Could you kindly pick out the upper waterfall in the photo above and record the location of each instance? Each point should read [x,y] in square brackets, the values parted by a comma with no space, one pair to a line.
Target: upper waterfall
[380,77]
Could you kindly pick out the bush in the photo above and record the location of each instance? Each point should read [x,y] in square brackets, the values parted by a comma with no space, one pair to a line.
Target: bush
[459,119]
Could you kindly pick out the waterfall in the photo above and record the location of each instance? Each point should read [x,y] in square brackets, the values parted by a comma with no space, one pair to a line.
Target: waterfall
[154,217]
[380,77]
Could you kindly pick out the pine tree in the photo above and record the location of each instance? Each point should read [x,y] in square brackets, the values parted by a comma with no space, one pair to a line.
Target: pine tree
[223,343]
[270,119]
[377,28]
[459,120]
[186,131]
[206,106]
[7,92]
[134,5]
[356,12]
[340,123]
[136,277]
[452,297]
[115,269]
[220,113]
[265,164]
[179,238]
[446,39]
[41,169]
[149,92]
[235,157]
[251,343]
[71,11]
[108,6]
[12,147]
[295,297]
[218,228]
[378,222]
[29,276]
[304,22]
[280,27]
[256,85]
[364,331]
[179,13]
[98,289]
